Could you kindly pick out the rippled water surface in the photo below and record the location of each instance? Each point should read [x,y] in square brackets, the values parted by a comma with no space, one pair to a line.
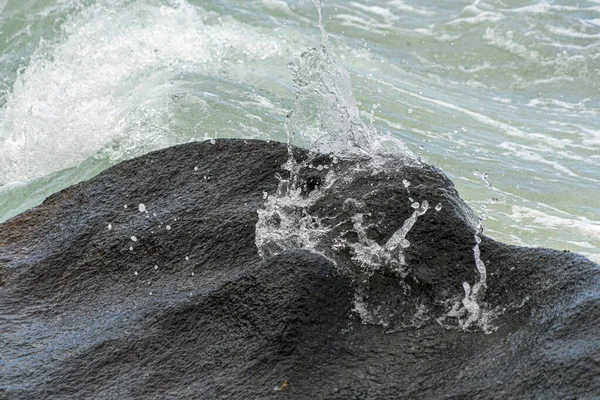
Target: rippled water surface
[507,88]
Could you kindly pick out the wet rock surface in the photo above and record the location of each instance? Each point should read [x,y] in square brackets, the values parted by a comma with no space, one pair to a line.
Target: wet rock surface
[102,298]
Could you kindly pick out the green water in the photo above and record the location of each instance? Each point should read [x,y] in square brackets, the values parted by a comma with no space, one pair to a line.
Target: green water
[508,88]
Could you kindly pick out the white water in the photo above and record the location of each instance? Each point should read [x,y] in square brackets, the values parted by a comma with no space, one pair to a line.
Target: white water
[110,87]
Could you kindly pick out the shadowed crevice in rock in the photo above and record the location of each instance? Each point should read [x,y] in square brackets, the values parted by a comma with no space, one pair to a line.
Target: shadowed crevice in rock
[174,302]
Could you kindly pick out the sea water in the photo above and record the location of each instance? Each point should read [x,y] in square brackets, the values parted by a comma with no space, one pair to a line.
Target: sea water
[505,90]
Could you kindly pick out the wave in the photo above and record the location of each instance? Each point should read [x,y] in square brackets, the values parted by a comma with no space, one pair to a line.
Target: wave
[107,86]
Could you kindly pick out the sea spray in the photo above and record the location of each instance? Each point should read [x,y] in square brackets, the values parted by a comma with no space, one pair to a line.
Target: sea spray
[398,240]
[325,119]
[329,147]
[121,78]
[482,284]
[469,310]
[325,113]
[370,255]
[338,145]
[285,223]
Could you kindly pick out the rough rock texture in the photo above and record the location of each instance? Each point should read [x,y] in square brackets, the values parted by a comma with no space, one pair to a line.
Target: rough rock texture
[175,302]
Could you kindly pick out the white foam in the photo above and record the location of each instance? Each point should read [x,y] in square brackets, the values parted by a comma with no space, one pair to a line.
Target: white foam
[502,100]
[553,104]
[504,40]
[589,138]
[106,86]
[586,245]
[584,227]
[408,8]
[483,67]
[484,119]
[540,8]
[472,15]
[382,12]
[554,79]
[364,23]
[278,5]
[571,33]
[594,137]
[529,155]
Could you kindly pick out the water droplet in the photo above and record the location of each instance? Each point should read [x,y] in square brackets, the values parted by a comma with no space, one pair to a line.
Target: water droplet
[125,206]
[438,207]
[109,227]
[484,177]
[195,168]
[142,208]
[410,111]
[212,141]
[187,258]
[135,273]
[415,205]
[133,238]
[130,248]
[168,227]
[156,267]
[406,183]
[467,288]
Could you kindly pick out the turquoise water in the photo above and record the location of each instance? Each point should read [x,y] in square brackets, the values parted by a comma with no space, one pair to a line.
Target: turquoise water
[510,89]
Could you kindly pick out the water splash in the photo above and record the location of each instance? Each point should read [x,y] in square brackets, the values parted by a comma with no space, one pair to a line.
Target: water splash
[285,222]
[469,310]
[325,117]
[398,239]
[483,177]
[326,120]
[476,251]
[110,89]
[370,255]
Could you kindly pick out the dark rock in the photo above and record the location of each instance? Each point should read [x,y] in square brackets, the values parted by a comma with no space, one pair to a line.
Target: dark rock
[84,316]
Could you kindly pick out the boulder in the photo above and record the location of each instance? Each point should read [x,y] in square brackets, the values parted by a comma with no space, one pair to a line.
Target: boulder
[145,282]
